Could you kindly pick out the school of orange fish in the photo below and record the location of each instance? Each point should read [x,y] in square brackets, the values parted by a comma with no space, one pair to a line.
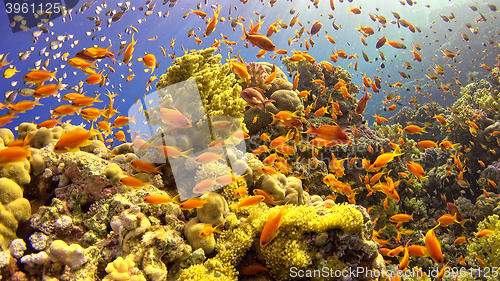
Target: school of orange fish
[279,151]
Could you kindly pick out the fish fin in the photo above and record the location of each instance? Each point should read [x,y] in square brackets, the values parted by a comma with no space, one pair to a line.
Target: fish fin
[74,149]
[176,199]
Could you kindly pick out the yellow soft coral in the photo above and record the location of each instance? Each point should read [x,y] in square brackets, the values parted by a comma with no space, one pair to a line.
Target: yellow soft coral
[123,270]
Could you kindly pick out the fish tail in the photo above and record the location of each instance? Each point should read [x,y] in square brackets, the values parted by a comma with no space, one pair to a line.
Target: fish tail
[176,199]
[245,34]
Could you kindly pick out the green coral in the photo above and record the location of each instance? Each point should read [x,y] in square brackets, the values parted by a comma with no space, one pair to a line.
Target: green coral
[286,250]
[487,248]
[216,84]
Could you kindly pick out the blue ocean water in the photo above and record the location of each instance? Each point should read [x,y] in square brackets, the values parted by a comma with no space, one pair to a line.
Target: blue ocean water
[436,35]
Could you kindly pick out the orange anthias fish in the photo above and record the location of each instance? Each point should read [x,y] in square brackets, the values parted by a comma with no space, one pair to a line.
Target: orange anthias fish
[193,203]
[171,151]
[384,159]
[211,25]
[251,200]
[258,40]
[13,154]
[433,246]
[39,76]
[362,103]
[268,198]
[208,231]
[207,157]
[414,129]
[401,218]
[331,133]
[149,61]
[133,182]
[174,118]
[161,199]
[145,167]
[72,140]
[127,55]
[271,227]
[416,169]
[447,219]
[204,185]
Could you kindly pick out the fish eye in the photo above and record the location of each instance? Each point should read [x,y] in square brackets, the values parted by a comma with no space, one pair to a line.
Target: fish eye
[263,243]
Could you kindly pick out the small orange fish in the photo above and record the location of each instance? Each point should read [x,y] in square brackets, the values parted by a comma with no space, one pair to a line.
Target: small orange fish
[414,129]
[459,240]
[204,185]
[174,118]
[401,218]
[251,200]
[133,182]
[240,192]
[13,154]
[271,226]
[207,157]
[447,219]
[72,140]
[433,246]
[193,203]
[267,197]
[146,167]
[172,151]
[161,199]
[484,232]
[208,231]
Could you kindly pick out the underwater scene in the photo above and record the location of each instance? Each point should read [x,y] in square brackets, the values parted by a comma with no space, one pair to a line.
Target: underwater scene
[250,140]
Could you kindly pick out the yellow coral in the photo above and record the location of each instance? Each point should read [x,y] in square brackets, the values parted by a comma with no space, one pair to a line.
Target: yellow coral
[217,85]
[121,270]
[487,248]
[286,250]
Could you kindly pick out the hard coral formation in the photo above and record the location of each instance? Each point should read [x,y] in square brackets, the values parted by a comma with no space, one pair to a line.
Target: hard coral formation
[217,86]
[123,270]
[288,248]
[14,209]
[72,255]
[487,248]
